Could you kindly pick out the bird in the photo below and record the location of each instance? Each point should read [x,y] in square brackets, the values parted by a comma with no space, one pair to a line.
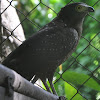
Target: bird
[44,51]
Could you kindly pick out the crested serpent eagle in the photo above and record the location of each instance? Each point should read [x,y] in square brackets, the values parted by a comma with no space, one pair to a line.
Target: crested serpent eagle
[43,52]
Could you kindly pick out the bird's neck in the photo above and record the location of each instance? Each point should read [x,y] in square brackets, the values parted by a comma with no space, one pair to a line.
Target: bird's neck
[76,24]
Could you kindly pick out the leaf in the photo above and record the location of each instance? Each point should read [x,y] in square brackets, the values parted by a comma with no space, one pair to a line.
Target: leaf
[79,78]
[70,91]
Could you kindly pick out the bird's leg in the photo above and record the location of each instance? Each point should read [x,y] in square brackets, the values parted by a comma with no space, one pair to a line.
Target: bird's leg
[45,84]
[52,86]
[34,79]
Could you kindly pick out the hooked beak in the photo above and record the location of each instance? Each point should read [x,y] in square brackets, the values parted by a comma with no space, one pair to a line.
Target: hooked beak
[90,9]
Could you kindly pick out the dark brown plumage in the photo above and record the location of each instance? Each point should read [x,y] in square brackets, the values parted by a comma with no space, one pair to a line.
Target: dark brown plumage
[43,52]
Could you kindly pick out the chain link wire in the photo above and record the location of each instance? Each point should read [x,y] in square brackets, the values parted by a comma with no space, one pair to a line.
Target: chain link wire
[75,58]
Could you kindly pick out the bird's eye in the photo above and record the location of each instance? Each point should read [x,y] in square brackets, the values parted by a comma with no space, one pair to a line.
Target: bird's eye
[79,8]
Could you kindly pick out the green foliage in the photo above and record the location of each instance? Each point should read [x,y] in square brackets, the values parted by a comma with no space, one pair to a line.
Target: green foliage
[79,79]
[70,91]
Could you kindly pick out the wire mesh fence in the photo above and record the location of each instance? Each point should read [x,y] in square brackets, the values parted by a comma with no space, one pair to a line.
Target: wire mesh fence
[82,68]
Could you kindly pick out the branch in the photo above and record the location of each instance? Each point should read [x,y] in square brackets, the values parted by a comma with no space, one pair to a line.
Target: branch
[21,85]
[16,96]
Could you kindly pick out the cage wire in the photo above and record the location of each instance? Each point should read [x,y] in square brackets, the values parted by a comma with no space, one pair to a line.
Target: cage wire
[75,58]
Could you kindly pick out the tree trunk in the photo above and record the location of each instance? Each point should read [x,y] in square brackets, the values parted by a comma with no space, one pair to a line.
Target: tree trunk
[11,35]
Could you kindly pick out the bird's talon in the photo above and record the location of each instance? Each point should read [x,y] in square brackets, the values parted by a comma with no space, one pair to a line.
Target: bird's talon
[62,98]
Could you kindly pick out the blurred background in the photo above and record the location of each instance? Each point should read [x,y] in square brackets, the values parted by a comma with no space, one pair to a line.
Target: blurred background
[79,77]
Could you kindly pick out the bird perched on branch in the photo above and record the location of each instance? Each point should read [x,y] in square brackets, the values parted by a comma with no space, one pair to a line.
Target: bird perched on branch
[44,51]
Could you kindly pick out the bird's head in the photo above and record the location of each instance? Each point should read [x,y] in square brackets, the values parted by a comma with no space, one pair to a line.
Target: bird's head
[75,11]
[73,14]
